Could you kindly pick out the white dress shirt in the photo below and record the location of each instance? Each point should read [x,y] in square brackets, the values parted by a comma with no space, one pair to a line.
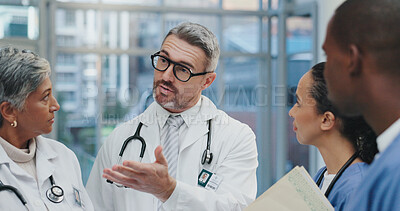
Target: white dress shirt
[387,137]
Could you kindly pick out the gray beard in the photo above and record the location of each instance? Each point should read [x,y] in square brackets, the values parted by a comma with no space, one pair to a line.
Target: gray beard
[167,105]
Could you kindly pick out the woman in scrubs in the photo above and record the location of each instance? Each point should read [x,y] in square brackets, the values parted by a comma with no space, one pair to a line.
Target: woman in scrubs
[347,145]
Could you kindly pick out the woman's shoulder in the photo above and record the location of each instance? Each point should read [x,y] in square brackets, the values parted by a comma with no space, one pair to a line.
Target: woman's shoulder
[357,169]
[352,176]
[347,184]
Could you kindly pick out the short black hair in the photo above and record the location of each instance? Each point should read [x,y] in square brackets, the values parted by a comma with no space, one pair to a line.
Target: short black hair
[355,129]
[374,27]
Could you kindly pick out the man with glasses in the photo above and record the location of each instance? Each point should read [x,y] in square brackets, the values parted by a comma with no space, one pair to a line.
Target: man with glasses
[203,159]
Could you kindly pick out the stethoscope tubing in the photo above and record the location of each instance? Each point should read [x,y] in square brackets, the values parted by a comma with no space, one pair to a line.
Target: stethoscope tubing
[337,176]
[56,198]
[206,157]
[15,191]
[143,142]
[135,136]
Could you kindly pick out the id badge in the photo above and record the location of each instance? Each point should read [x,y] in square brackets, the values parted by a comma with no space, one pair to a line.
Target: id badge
[77,197]
[209,180]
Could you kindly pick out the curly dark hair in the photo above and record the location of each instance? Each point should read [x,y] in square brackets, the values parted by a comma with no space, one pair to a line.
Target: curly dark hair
[355,129]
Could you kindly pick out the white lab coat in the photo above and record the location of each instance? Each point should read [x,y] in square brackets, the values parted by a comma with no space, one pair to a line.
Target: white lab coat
[235,160]
[52,158]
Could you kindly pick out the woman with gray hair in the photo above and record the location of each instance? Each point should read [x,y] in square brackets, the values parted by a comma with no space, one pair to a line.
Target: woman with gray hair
[35,172]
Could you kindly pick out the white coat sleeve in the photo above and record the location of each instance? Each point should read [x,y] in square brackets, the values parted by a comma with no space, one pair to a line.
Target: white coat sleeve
[101,192]
[239,185]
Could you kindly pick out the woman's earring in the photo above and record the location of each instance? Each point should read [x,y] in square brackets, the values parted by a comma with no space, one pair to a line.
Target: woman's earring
[14,124]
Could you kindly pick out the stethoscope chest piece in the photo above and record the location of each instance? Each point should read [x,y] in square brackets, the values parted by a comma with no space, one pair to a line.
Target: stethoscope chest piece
[55,194]
[207,157]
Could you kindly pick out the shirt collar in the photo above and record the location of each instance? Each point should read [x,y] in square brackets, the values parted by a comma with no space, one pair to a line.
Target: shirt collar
[19,155]
[387,137]
[187,115]
[161,115]
[190,115]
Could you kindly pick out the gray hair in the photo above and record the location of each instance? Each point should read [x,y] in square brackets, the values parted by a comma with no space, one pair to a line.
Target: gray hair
[21,72]
[198,35]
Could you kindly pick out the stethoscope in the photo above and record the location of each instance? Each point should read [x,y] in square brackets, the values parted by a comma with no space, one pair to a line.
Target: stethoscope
[55,193]
[207,154]
[205,158]
[15,191]
[337,176]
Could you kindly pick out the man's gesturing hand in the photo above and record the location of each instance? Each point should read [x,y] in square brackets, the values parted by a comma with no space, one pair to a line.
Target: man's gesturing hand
[151,178]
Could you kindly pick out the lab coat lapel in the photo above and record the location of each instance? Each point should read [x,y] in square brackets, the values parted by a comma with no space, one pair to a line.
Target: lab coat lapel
[152,138]
[195,132]
[199,126]
[44,164]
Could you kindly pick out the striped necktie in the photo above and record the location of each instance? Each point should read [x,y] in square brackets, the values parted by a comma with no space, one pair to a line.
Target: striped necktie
[171,142]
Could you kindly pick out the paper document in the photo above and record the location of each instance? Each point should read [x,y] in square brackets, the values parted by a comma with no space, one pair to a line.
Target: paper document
[294,191]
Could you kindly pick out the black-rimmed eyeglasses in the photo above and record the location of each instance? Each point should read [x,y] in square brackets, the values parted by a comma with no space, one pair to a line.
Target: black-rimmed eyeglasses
[181,72]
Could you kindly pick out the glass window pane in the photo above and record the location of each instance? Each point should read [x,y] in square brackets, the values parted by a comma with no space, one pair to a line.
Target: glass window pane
[274,36]
[131,30]
[127,87]
[77,94]
[133,2]
[299,34]
[274,114]
[192,3]
[274,4]
[265,35]
[209,21]
[19,21]
[241,34]
[76,28]
[66,59]
[80,1]
[240,5]
[240,88]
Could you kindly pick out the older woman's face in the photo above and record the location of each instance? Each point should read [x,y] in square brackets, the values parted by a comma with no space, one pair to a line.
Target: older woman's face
[37,116]
[306,121]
